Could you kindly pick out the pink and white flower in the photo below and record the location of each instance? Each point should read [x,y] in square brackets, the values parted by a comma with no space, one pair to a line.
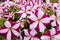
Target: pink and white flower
[56,18]
[39,20]
[51,35]
[30,35]
[10,28]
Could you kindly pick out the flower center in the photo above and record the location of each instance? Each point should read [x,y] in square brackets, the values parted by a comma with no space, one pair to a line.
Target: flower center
[38,19]
[10,28]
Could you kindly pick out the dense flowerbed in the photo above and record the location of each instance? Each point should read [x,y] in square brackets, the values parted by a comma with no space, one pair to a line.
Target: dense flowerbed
[29,20]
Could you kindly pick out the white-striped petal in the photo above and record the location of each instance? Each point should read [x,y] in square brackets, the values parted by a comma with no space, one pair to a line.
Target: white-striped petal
[3,30]
[16,26]
[15,32]
[58,21]
[33,25]
[45,37]
[7,24]
[26,38]
[36,38]
[41,27]
[21,11]
[52,31]
[26,32]
[33,32]
[53,17]
[57,37]
[45,20]
[9,35]
[23,15]
[32,17]
[53,23]
[40,13]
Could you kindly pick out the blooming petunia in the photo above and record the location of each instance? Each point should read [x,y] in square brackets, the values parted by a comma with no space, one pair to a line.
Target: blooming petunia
[39,20]
[10,28]
[55,18]
[30,35]
[51,35]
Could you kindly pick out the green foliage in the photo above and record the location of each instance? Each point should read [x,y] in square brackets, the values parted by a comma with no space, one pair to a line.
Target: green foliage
[53,0]
[48,27]
[2,37]
[50,12]
[39,33]
[16,17]
[14,9]
[2,22]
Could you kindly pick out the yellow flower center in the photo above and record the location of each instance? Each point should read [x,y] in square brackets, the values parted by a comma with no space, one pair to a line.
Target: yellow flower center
[38,19]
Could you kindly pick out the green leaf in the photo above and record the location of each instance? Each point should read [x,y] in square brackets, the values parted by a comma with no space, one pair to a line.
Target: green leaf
[48,28]
[16,17]
[39,33]
[53,0]
[2,22]
[50,12]
[14,9]
[2,37]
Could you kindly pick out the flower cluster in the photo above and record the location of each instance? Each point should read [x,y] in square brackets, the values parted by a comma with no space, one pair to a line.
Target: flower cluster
[30,20]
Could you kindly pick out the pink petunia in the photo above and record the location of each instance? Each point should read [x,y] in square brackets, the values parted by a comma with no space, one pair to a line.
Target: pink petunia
[10,28]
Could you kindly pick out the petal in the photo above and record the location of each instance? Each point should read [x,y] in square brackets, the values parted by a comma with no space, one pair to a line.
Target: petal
[36,39]
[53,23]
[32,17]
[58,12]
[57,37]
[58,21]
[3,30]
[9,35]
[45,37]
[26,38]
[33,32]
[32,38]
[15,32]
[41,27]
[16,25]
[34,25]
[52,31]
[23,15]
[7,24]
[40,13]
[53,17]
[26,32]
[21,11]
[45,20]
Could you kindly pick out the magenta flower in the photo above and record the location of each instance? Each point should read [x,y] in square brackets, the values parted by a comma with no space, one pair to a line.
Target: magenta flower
[39,20]
[10,28]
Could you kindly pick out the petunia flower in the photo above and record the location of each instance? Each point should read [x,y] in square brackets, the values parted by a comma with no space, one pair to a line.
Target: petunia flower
[39,20]
[55,18]
[30,35]
[51,35]
[10,28]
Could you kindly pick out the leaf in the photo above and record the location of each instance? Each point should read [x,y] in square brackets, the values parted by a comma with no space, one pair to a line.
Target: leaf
[16,17]
[2,37]
[51,13]
[53,0]
[48,28]
[2,22]
[39,33]
[14,9]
